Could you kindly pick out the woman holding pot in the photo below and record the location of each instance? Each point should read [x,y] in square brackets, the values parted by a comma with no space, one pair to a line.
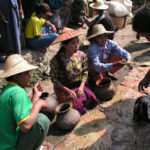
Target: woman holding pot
[69,72]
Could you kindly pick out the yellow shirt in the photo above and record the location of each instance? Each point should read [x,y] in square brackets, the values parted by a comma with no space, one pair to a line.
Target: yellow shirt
[34,26]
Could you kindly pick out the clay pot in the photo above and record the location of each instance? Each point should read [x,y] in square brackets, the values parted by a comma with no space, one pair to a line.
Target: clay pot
[67,117]
[51,102]
[105,90]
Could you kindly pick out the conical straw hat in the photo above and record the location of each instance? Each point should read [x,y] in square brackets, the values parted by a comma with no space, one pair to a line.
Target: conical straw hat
[16,64]
[66,34]
[99,4]
[98,29]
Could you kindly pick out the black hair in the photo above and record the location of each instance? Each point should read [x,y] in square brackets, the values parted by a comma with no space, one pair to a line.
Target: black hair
[62,48]
[94,38]
[141,109]
[67,41]
[43,8]
[141,20]
[9,79]
[99,11]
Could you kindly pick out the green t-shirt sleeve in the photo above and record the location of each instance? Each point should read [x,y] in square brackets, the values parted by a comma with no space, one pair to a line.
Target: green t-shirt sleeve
[22,106]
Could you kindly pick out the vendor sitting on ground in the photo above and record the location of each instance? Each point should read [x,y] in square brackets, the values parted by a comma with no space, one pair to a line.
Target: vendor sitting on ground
[22,127]
[40,33]
[105,56]
[69,72]
[99,9]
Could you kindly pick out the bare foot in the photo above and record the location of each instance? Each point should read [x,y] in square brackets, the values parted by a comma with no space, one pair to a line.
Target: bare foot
[45,146]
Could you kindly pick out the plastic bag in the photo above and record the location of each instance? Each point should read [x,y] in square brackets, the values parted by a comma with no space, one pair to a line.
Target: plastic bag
[127,4]
[117,9]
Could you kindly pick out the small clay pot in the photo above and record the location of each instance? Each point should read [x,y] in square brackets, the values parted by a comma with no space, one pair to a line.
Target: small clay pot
[105,90]
[67,117]
[51,102]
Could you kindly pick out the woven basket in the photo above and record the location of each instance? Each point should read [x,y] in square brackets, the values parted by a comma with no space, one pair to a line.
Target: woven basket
[119,21]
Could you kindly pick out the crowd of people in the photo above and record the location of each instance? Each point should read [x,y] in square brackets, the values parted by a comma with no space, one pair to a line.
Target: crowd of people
[22,125]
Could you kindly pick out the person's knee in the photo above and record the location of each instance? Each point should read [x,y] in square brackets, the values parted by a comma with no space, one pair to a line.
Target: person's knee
[52,37]
[55,35]
[43,121]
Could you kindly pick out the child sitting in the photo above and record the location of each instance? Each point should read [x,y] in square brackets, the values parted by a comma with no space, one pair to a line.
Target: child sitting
[40,33]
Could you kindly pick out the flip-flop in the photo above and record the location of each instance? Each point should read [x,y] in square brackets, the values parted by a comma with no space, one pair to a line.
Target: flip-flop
[45,145]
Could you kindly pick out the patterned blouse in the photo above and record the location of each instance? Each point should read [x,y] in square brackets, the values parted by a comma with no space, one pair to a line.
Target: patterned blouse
[77,69]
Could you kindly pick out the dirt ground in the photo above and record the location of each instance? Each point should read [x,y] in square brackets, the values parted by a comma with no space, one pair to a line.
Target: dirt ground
[118,115]
[139,51]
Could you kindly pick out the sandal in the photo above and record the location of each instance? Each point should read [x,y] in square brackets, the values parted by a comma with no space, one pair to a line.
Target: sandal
[45,146]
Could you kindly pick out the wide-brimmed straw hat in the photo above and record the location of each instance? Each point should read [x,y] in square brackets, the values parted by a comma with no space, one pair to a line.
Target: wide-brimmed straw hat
[66,34]
[99,4]
[16,64]
[98,29]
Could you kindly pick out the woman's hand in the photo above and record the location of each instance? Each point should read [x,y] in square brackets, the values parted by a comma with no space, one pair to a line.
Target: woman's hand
[71,94]
[80,92]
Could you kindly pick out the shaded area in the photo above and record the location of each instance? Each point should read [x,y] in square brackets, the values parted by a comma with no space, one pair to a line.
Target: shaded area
[133,46]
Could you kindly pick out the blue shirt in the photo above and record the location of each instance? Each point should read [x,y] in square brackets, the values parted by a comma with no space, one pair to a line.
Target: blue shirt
[95,55]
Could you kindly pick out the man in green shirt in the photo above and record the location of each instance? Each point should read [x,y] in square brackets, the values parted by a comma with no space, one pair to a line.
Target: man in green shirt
[22,127]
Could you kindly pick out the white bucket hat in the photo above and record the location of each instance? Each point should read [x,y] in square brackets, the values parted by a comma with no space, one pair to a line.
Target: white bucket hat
[99,4]
[98,29]
[16,64]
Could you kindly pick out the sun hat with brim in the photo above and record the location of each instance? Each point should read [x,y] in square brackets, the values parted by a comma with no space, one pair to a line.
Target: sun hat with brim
[44,8]
[66,34]
[99,4]
[98,29]
[16,64]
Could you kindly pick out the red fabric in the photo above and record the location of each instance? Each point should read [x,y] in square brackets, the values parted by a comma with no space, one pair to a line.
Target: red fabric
[101,75]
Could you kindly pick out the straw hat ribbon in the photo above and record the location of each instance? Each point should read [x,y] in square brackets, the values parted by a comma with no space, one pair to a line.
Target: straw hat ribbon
[16,64]
[99,4]
[98,29]
[67,34]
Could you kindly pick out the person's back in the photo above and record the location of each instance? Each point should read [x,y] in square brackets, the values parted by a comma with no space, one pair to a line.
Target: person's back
[79,9]
[106,21]
[22,125]
[9,97]
[34,26]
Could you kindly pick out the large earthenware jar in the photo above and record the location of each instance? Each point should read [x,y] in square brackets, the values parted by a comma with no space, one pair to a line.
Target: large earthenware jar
[67,117]
[51,102]
[105,90]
